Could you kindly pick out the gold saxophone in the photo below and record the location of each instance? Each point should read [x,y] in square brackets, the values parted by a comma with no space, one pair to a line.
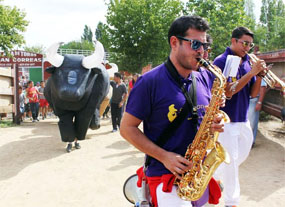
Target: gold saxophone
[205,152]
[270,78]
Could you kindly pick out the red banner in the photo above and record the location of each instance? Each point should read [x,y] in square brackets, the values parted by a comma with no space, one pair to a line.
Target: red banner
[22,58]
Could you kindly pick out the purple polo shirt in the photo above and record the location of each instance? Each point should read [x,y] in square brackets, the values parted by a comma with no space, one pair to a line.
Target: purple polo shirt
[237,106]
[157,99]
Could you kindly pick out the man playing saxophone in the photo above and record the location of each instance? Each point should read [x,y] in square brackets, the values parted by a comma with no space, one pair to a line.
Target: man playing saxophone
[157,100]
[237,137]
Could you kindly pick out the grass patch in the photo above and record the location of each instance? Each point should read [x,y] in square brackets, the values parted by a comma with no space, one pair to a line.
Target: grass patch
[263,116]
[6,123]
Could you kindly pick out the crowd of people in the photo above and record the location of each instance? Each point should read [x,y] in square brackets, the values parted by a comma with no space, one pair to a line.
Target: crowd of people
[121,86]
[32,102]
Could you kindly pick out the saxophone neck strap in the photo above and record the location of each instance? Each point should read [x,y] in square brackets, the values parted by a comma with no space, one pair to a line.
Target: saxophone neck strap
[190,96]
[188,107]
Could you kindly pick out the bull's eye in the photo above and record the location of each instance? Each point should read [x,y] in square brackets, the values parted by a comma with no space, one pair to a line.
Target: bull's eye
[72,78]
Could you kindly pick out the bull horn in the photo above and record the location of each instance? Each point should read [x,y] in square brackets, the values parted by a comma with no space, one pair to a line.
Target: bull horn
[114,67]
[96,58]
[112,70]
[52,56]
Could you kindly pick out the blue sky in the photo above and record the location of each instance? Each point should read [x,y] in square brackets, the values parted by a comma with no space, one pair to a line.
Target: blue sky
[63,20]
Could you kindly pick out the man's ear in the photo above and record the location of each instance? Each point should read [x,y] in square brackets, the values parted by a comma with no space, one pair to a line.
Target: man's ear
[50,69]
[173,42]
[233,40]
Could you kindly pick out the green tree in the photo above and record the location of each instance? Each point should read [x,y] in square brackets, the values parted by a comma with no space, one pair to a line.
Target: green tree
[272,24]
[86,42]
[12,24]
[260,37]
[138,31]
[249,8]
[87,34]
[39,49]
[78,45]
[223,16]
[102,34]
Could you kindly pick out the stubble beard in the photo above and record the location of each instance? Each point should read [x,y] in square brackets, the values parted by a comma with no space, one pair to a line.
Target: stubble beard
[188,66]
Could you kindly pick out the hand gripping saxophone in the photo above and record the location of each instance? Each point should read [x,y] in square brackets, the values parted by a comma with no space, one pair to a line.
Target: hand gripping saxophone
[205,152]
[270,78]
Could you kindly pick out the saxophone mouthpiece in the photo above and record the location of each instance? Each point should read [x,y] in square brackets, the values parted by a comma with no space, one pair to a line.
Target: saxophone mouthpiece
[202,62]
[198,62]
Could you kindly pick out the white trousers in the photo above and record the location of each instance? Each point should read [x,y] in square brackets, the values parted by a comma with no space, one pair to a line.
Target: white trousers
[237,140]
[170,199]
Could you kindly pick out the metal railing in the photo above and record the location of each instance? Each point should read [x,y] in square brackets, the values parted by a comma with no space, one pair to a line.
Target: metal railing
[81,52]
[74,51]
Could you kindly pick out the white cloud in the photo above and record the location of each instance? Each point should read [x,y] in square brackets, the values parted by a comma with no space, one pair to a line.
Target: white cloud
[59,20]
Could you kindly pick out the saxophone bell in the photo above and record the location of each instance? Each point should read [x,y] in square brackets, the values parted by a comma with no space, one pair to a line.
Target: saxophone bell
[270,78]
[194,182]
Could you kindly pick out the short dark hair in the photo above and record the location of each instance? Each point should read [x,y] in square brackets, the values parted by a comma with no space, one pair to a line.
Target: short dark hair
[29,82]
[240,31]
[118,75]
[180,25]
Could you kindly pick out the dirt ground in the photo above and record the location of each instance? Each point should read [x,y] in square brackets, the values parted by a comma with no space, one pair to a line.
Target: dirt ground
[36,171]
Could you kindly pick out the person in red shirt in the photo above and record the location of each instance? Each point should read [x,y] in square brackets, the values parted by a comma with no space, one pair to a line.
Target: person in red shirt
[32,94]
[132,82]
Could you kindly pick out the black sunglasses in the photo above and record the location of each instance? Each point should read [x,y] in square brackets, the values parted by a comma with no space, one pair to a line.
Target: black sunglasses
[195,44]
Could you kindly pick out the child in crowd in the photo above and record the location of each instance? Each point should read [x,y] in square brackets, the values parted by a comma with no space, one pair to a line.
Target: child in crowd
[43,102]
[22,101]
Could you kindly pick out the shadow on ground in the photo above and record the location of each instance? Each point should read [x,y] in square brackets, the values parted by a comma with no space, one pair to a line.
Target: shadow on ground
[42,144]
[131,157]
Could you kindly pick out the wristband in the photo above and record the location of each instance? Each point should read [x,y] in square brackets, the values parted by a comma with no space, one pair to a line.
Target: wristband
[259,102]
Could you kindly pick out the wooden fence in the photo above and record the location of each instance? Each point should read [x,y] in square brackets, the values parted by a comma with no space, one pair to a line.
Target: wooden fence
[274,101]
[9,99]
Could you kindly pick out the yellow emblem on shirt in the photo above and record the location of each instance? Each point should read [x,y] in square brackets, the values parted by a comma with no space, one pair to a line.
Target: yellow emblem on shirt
[172,113]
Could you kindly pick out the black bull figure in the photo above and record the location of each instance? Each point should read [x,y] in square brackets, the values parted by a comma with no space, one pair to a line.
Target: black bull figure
[75,91]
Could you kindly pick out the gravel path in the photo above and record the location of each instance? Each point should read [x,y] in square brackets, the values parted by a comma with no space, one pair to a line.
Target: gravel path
[35,170]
